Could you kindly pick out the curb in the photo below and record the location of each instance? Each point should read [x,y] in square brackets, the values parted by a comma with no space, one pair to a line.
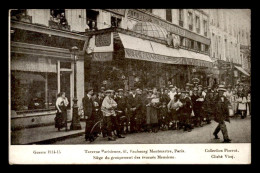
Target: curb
[53,140]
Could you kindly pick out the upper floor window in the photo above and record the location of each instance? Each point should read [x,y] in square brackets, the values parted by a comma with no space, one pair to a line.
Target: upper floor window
[169,15]
[190,19]
[21,15]
[197,24]
[181,17]
[58,18]
[92,19]
[205,26]
[115,22]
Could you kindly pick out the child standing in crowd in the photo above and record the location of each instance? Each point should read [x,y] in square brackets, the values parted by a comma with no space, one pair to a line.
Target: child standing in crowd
[242,105]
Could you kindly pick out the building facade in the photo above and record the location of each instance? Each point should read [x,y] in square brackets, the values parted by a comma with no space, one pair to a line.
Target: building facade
[118,48]
[230,31]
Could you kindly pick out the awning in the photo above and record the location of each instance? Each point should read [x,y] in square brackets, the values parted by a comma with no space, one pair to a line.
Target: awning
[242,70]
[137,48]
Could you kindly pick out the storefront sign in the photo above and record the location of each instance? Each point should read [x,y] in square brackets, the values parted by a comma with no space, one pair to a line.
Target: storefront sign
[102,56]
[139,55]
[103,40]
[169,27]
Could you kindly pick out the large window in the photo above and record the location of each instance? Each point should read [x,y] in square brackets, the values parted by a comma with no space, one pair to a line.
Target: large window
[169,15]
[33,90]
[92,19]
[20,15]
[58,19]
[115,22]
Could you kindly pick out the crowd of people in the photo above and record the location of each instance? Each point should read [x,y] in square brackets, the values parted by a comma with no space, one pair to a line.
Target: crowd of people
[114,113]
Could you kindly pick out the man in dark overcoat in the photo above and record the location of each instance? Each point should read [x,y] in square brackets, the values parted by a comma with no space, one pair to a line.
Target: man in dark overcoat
[221,114]
[121,112]
[88,107]
[185,110]
[134,103]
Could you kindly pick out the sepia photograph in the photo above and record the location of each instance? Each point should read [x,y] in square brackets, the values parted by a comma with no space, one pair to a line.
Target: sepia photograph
[88,77]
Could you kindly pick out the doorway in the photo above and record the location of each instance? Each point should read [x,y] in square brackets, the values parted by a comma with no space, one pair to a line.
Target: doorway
[65,85]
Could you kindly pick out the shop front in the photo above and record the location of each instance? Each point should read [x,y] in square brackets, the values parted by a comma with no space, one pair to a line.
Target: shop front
[134,60]
[41,66]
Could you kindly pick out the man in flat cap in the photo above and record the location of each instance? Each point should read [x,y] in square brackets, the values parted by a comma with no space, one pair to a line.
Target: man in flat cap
[221,114]
[108,109]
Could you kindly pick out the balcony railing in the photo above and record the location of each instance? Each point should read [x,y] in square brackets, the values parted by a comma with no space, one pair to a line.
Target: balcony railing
[22,18]
[190,27]
[56,25]
[181,23]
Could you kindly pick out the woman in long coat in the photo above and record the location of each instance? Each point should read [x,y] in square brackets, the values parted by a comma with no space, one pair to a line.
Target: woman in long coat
[61,115]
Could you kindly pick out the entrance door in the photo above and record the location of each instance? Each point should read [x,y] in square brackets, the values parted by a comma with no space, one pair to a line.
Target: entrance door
[65,85]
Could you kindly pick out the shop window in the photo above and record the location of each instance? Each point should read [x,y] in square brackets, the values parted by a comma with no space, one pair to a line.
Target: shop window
[192,44]
[199,46]
[33,90]
[206,48]
[21,15]
[115,22]
[92,19]
[58,19]
[169,15]
[66,65]
[182,41]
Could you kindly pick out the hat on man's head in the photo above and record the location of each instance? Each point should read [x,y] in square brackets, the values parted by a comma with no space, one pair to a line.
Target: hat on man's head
[170,86]
[195,89]
[109,91]
[221,88]
[200,85]
[90,89]
[184,91]
[120,90]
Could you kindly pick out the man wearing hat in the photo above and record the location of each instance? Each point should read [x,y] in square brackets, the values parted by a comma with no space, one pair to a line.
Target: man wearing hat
[208,106]
[196,106]
[108,109]
[88,107]
[134,103]
[185,110]
[121,115]
[221,114]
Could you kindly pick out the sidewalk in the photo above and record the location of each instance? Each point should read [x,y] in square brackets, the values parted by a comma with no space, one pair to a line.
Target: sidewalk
[43,135]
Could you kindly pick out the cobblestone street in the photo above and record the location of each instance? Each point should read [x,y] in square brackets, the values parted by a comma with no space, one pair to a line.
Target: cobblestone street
[239,130]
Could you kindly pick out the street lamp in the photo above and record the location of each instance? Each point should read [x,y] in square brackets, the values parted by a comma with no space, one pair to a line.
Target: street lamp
[75,124]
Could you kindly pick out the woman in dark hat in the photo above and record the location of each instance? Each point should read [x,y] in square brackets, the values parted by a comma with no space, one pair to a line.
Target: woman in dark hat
[61,115]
